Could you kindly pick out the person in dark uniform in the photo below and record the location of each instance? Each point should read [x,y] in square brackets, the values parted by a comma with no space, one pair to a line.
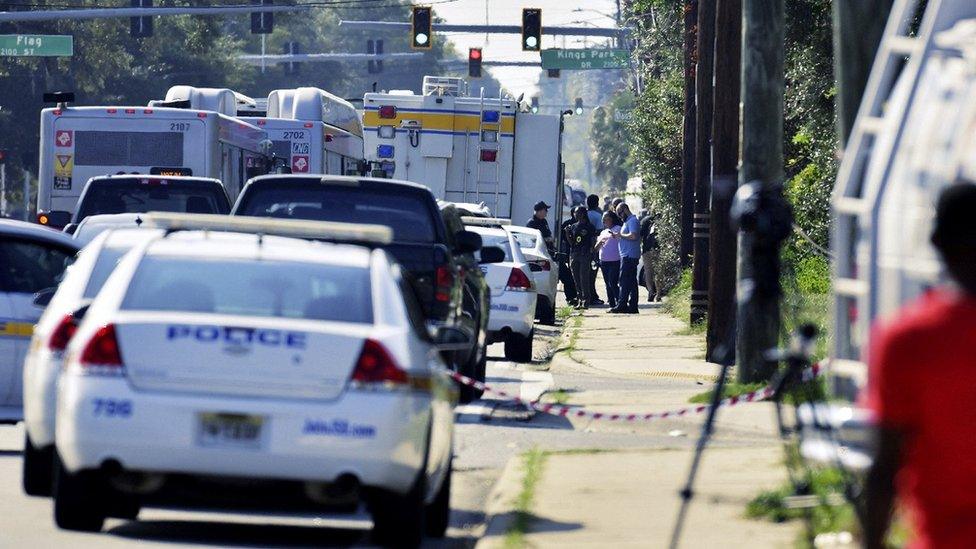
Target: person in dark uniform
[565,274]
[582,237]
[539,222]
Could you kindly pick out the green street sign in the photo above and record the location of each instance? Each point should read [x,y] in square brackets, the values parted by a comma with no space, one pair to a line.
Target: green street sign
[36,45]
[580,59]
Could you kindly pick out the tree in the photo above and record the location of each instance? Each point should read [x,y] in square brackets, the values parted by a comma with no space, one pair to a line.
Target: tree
[608,136]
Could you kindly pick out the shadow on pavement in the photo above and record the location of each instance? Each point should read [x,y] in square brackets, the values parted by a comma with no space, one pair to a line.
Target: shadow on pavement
[223,534]
[536,524]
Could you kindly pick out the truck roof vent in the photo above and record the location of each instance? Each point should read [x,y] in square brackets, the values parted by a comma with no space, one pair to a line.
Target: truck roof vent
[451,86]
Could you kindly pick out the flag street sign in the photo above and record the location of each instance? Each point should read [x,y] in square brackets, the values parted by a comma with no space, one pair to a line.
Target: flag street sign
[583,59]
[36,45]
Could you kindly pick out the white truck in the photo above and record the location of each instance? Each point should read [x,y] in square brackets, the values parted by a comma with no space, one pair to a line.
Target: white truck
[915,134]
[312,131]
[194,131]
[465,148]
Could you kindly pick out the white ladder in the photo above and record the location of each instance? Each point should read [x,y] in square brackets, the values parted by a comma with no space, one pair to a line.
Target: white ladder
[491,179]
[855,200]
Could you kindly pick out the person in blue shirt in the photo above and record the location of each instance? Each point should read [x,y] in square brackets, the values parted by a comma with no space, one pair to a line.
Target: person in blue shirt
[628,241]
[595,214]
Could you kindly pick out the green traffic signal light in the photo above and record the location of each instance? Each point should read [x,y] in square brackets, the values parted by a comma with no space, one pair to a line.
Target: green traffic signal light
[421,28]
[531,29]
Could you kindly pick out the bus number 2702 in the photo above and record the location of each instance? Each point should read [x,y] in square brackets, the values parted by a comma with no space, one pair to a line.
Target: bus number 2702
[179,126]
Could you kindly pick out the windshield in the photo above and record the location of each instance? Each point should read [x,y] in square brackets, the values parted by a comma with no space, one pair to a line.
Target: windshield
[140,195]
[104,265]
[407,213]
[499,241]
[252,288]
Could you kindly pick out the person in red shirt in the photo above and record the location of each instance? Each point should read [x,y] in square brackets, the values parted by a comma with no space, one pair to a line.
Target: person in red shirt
[922,392]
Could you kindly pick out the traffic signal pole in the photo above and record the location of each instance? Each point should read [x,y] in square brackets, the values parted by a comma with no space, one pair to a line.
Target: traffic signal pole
[107,13]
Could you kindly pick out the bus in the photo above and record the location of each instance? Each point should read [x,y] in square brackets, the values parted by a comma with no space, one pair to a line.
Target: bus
[312,131]
[191,132]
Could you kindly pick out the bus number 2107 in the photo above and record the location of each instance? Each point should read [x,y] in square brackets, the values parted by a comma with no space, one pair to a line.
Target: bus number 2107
[179,126]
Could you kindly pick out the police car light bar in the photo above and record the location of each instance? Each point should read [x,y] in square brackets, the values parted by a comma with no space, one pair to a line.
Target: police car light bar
[297,228]
[485,221]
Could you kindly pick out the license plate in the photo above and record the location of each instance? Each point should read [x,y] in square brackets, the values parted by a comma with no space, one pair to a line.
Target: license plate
[230,430]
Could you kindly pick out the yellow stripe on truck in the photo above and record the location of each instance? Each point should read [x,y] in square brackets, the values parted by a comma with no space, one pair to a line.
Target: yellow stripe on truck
[437,121]
[10,328]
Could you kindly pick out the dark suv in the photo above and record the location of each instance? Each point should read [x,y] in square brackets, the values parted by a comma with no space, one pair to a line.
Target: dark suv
[476,299]
[431,255]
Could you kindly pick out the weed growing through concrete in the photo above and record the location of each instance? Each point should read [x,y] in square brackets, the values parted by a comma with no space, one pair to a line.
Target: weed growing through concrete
[535,460]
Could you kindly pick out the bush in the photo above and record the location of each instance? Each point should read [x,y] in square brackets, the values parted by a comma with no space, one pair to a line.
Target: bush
[678,304]
[813,275]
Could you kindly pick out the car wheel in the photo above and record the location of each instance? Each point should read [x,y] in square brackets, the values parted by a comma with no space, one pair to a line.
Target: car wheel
[547,312]
[476,371]
[398,519]
[439,510]
[518,348]
[38,469]
[79,499]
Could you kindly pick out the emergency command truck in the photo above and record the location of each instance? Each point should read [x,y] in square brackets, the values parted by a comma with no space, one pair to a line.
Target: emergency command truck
[466,148]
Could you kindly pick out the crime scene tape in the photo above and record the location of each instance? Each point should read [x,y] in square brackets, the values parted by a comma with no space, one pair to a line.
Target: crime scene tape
[568,411]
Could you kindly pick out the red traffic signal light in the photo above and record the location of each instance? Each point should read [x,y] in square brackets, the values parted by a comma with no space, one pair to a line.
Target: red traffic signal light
[474,62]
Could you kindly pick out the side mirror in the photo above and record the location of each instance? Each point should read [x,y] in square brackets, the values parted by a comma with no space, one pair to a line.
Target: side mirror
[467,242]
[55,220]
[43,297]
[451,338]
[492,254]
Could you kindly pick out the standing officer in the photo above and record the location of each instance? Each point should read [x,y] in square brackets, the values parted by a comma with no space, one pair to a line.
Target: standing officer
[581,236]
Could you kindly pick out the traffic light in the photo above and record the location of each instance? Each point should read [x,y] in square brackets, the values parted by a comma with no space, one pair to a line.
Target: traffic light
[420,36]
[141,27]
[291,48]
[374,47]
[262,22]
[531,29]
[578,106]
[474,62]
[535,105]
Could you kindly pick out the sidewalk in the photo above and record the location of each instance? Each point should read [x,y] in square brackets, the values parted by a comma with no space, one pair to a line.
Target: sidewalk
[599,497]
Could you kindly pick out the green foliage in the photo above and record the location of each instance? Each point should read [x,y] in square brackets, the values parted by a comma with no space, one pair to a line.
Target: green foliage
[608,135]
[678,303]
[827,485]
[813,275]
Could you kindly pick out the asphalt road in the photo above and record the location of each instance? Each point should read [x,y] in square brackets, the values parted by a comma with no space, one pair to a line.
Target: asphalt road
[485,433]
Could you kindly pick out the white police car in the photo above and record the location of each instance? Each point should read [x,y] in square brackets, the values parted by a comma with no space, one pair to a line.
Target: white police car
[513,294]
[250,371]
[32,258]
[65,307]
[545,271]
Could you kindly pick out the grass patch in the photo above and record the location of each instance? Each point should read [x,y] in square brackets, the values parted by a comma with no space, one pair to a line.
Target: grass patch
[559,396]
[696,329]
[678,303]
[814,390]
[534,462]
[564,312]
[730,390]
[827,516]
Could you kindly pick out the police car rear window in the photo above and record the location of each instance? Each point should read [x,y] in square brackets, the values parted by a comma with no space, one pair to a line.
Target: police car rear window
[407,213]
[499,241]
[525,241]
[252,288]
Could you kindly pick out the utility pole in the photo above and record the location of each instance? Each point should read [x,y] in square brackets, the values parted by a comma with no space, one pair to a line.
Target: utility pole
[703,158]
[762,159]
[858,26]
[720,338]
[685,247]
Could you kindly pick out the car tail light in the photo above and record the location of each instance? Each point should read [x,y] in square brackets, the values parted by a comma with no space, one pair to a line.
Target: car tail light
[518,281]
[63,333]
[102,349]
[388,111]
[376,366]
[443,283]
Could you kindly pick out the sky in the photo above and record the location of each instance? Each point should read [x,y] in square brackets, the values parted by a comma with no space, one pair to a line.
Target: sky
[507,47]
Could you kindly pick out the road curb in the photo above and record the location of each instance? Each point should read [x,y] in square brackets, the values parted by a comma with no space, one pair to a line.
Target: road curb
[500,509]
